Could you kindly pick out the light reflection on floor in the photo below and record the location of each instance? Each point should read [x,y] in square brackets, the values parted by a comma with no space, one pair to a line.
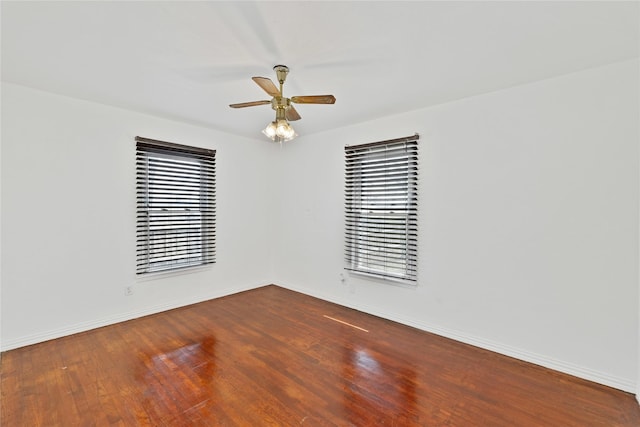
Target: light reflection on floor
[364,374]
[181,381]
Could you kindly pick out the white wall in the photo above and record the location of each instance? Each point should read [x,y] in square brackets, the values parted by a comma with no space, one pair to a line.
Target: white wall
[68,201]
[528,222]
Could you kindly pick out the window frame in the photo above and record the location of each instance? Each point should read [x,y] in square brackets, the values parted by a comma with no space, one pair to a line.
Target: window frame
[175,207]
[381,225]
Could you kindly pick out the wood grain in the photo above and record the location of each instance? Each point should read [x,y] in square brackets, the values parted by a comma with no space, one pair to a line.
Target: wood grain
[273,357]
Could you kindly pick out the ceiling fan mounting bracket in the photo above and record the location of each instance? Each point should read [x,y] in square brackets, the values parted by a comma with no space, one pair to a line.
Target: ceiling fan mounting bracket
[281,73]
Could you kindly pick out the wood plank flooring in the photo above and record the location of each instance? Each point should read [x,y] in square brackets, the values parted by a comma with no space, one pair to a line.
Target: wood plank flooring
[273,357]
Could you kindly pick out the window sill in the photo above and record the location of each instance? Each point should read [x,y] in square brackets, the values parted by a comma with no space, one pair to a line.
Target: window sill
[171,272]
[384,279]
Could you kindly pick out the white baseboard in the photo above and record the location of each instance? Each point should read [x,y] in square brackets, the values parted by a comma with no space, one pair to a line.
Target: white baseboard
[121,317]
[623,384]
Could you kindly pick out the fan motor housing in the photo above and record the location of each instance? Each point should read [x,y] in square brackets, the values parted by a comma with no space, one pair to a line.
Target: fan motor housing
[280,102]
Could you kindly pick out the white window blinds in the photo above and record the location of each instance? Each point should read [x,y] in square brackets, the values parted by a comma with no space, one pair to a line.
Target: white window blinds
[381,208]
[176,206]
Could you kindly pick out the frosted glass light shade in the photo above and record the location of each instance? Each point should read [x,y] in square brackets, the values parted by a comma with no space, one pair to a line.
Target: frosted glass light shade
[279,130]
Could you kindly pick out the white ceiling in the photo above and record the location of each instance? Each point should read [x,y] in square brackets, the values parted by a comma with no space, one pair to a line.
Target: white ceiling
[189,60]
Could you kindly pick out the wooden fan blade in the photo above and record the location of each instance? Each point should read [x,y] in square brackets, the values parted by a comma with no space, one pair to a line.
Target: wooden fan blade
[267,85]
[314,99]
[291,114]
[249,104]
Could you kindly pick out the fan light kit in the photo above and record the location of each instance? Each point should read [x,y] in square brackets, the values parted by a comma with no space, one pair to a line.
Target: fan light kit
[280,130]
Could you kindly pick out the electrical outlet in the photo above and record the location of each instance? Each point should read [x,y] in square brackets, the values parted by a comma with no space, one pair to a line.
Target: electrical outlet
[128,290]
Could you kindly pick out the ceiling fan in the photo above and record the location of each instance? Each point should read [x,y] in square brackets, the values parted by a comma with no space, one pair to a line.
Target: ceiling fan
[280,130]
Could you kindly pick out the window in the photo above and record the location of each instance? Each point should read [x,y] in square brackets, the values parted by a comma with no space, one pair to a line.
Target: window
[381,208]
[176,204]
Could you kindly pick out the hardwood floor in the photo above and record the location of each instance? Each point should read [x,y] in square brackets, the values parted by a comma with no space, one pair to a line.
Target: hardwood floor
[276,357]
